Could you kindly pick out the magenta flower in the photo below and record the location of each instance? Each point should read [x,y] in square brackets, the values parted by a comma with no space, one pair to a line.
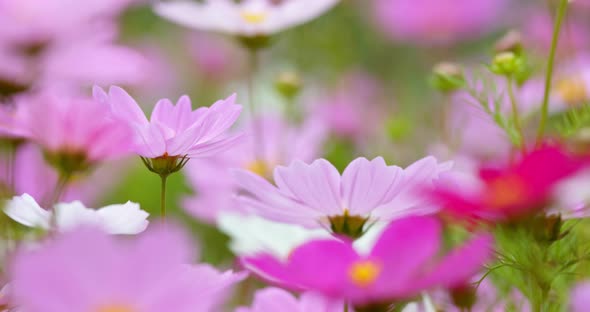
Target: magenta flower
[438,22]
[275,299]
[175,130]
[87,270]
[316,195]
[74,132]
[514,191]
[403,262]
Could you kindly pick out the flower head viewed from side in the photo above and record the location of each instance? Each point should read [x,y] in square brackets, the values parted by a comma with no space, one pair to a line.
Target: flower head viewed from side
[402,263]
[275,299]
[174,133]
[517,190]
[74,132]
[250,18]
[87,270]
[316,195]
[175,130]
[125,218]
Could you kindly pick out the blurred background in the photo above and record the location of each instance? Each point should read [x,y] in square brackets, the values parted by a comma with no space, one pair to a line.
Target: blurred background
[362,72]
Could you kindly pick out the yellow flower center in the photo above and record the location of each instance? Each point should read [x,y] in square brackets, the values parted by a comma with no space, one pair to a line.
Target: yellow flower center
[364,273]
[251,17]
[116,308]
[259,167]
[505,191]
[572,90]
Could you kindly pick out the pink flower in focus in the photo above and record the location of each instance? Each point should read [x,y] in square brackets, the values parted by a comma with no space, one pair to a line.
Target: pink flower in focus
[281,143]
[438,21]
[175,130]
[88,270]
[275,299]
[316,195]
[74,127]
[402,263]
[512,191]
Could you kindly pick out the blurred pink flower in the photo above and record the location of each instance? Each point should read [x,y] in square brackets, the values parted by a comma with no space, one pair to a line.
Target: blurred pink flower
[88,270]
[216,58]
[316,195]
[275,299]
[74,126]
[281,143]
[37,21]
[247,18]
[433,22]
[580,297]
[538,31]
[352,110]
[11,122]
[175,130]
[403,262]
[35,177]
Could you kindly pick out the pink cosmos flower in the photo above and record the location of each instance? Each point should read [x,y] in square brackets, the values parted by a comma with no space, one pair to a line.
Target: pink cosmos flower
[36,21]
[511,191]
[56,42]
[316,195]
[74,127]
[245,18]
[275,299]
[281,143]
[402,263]
[88,270]
[11,125]
[175,130]
[438,22]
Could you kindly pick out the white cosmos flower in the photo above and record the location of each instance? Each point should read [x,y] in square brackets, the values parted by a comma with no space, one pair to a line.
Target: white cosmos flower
[252,234]
[247,18]
[125,218]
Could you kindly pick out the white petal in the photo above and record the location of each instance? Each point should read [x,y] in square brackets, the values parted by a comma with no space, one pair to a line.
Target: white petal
[251,234]
[125,218]
[74,214]
[25,210]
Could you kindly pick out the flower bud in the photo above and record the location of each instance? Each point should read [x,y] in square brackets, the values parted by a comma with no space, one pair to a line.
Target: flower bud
[447,77]
[464,297]
[288,84]
[510,42]
[507,64]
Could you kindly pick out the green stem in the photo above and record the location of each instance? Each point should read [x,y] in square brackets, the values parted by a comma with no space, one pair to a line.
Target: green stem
[163,178]
[515,113]
[60,188]
[257,132]
[561,11]
[346,307]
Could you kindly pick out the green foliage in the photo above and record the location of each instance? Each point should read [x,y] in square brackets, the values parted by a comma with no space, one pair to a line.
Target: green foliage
[573,121]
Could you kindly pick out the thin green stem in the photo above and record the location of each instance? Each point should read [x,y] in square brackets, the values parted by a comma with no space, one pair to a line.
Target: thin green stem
[561,12]
[515,113]
[346,307]
[257,132]
[163,178]
[60,188]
